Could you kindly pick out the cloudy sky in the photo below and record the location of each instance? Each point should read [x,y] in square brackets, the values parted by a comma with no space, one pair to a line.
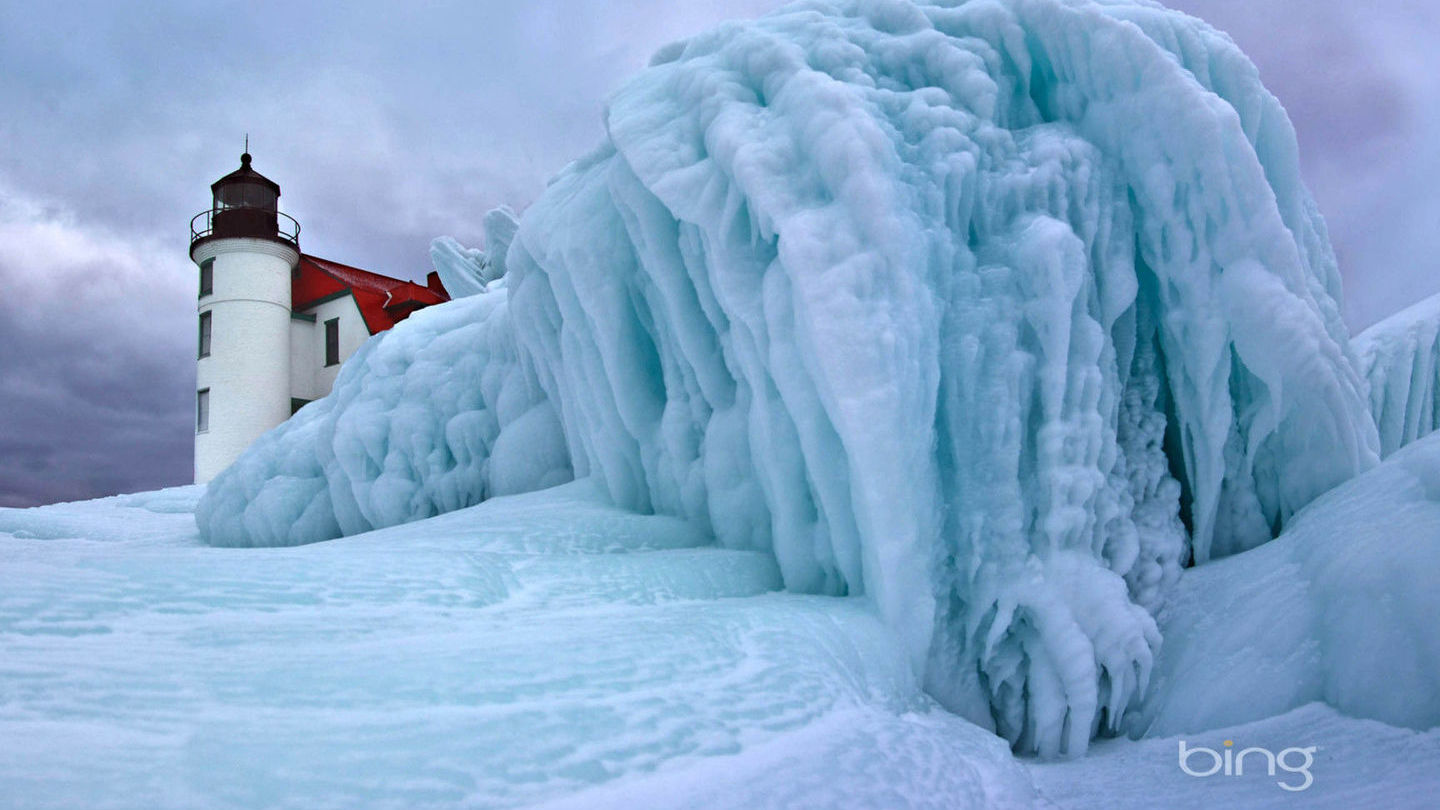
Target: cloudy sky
[386,125]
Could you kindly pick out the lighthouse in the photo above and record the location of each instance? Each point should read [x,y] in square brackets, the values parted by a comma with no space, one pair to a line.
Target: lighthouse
[246,251]
[274,324]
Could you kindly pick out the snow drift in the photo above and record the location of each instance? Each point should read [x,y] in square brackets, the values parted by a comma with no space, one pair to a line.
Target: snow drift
[1340,608]
[996,313]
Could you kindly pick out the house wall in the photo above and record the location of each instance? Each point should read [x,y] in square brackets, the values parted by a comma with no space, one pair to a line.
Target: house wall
[353,334]
[248,370]
[303,360]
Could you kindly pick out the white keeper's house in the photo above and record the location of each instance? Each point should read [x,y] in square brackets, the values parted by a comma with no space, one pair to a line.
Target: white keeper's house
[275,323]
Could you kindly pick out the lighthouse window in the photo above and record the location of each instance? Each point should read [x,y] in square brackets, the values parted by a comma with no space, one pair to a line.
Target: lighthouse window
[202,410]
[332,342]
[207,277]
[205,334]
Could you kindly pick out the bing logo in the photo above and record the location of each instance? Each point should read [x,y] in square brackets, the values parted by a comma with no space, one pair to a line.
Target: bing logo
[1229,762]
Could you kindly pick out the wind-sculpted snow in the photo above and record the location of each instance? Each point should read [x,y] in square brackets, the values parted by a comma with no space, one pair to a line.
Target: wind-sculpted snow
[996,314]
[1399,358]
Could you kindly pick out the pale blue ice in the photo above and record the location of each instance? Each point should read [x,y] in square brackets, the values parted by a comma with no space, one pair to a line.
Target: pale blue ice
[995,313]
[896,386]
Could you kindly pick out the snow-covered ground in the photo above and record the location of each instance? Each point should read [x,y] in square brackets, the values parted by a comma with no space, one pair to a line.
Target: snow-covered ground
[542,648]
[528,649]
[1357,764]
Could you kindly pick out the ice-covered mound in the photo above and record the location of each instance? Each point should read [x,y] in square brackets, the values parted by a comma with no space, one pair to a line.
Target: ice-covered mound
[439,415]
[994,312]
[1340,608]
[1399,358]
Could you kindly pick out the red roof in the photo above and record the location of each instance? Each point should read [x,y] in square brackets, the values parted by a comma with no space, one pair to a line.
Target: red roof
[383,301]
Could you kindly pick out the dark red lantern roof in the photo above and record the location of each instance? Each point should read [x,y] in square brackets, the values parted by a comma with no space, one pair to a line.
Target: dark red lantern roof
[245,174]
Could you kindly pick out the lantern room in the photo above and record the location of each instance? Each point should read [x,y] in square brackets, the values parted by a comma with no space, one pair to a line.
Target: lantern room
[244,204]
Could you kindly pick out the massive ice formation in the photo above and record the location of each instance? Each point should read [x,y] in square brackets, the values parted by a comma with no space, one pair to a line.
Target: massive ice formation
[1400,356]
[996,313]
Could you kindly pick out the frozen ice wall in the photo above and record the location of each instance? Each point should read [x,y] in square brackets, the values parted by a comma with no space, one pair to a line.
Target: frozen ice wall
[964,308]
[1399,358]
[996,313]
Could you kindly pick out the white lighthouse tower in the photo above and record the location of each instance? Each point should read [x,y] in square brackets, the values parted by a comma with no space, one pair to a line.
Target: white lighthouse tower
[246,251]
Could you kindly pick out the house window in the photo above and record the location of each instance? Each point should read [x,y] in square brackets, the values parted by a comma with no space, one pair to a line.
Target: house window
[332,342]
[205,334]
[202,410]
[207,277]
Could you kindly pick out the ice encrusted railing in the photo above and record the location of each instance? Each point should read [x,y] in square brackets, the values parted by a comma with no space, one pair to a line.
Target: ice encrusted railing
[995,313]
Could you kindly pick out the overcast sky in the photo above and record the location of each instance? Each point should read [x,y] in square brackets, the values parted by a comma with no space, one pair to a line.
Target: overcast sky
[387,125]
